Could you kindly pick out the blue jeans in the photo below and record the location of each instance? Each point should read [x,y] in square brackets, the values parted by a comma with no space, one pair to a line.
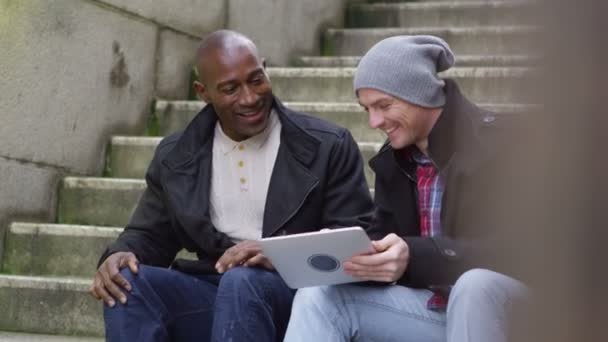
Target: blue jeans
[244,304]
[477,311]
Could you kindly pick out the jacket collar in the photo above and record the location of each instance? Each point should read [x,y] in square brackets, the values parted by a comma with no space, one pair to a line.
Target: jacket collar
[197,138]
[454,137]
[188,176]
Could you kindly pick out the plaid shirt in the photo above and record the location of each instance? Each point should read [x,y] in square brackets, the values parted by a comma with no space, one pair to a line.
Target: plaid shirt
[430,192]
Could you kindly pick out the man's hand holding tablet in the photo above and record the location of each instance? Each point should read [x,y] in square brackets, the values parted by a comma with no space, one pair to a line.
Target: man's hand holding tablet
[315,259]
[387,264]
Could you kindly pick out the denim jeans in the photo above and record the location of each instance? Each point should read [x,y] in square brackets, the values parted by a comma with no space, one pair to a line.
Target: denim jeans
[477,311]
[244,304]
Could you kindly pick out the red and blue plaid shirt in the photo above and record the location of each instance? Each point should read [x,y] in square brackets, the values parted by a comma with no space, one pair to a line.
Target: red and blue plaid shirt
[430,192]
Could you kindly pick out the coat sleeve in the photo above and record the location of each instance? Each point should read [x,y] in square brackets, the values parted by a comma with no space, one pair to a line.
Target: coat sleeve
[347,201]
[441,260]
[149,234]
[436,260]
[433,260]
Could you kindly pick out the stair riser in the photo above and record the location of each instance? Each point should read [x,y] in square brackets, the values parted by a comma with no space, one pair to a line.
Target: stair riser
[175,118]
[461,61]
[444,16]
[113,207]
[103,207]
[131,161]
[48,311]
[344,43]
[65,250]
[487,89]
[351,117]
[57,255]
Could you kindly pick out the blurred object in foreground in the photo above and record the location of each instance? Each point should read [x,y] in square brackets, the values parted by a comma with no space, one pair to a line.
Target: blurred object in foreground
[552,193]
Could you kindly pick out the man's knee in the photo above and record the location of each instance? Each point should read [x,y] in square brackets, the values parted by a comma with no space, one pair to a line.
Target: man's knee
[315,296]
[249,277]
[252,281]
[478,284]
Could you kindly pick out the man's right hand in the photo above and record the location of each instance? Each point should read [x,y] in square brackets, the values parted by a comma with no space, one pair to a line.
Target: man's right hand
[108,280]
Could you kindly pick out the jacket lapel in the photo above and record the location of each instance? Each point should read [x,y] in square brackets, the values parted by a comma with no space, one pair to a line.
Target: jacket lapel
[291,181]
[187,177]
[188,174]
[402,197]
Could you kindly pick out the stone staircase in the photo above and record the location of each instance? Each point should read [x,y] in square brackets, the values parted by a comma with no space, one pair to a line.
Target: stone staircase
[47,268]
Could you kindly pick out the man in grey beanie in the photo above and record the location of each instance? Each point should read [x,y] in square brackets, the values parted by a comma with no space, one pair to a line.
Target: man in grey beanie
[431,176]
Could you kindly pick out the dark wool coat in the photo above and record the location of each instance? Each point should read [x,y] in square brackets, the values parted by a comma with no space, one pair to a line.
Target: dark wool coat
[317,182]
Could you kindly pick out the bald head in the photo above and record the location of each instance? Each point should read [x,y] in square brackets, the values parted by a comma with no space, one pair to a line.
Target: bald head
[219,44]
[233,79]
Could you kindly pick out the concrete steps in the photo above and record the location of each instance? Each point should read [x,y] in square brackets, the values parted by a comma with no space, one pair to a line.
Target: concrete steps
[22,337]
[47,268]
[44,249]
[481,40]
[111,201]
[132,155]
[440,14]
[49,305]
[175,115]
[55,249]
[483,84]
[461,61]
[98,201]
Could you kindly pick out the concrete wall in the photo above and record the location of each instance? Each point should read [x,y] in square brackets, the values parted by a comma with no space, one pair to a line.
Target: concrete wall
[284,29]
[76,71]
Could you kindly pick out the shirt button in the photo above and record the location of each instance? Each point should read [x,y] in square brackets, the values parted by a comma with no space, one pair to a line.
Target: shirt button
[241,163]
[449,252]
[241,147]
[243,180]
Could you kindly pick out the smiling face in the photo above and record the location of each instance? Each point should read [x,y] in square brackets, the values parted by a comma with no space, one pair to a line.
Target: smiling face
[404,123]
[235,83]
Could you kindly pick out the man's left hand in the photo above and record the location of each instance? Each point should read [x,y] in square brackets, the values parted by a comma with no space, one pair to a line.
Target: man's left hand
[246,253]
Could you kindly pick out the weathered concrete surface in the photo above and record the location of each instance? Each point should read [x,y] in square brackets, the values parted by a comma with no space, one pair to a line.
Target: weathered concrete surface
[72,72]
[42,249]
[447,14]
[284,29]
[481,85]
[111,201]
[28,190]
[49,306]
[175,115]
[75,73]
[53,249]
[132,155]
[195,17]
[175,59]
[21,337]
[482,40]
[461,61]
[98,201]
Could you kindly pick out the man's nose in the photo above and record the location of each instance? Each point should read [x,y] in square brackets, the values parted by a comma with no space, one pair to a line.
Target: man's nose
[248,97]
[375,120]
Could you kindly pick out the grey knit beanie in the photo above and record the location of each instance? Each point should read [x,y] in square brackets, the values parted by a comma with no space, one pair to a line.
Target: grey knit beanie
[406,67]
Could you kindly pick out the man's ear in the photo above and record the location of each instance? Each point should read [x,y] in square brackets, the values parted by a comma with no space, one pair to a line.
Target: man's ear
[201,91]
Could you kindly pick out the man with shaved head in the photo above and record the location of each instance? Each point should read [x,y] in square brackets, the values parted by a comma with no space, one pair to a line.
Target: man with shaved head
[246,167]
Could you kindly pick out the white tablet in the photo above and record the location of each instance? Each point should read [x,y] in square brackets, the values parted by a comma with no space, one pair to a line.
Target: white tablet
[315,259]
